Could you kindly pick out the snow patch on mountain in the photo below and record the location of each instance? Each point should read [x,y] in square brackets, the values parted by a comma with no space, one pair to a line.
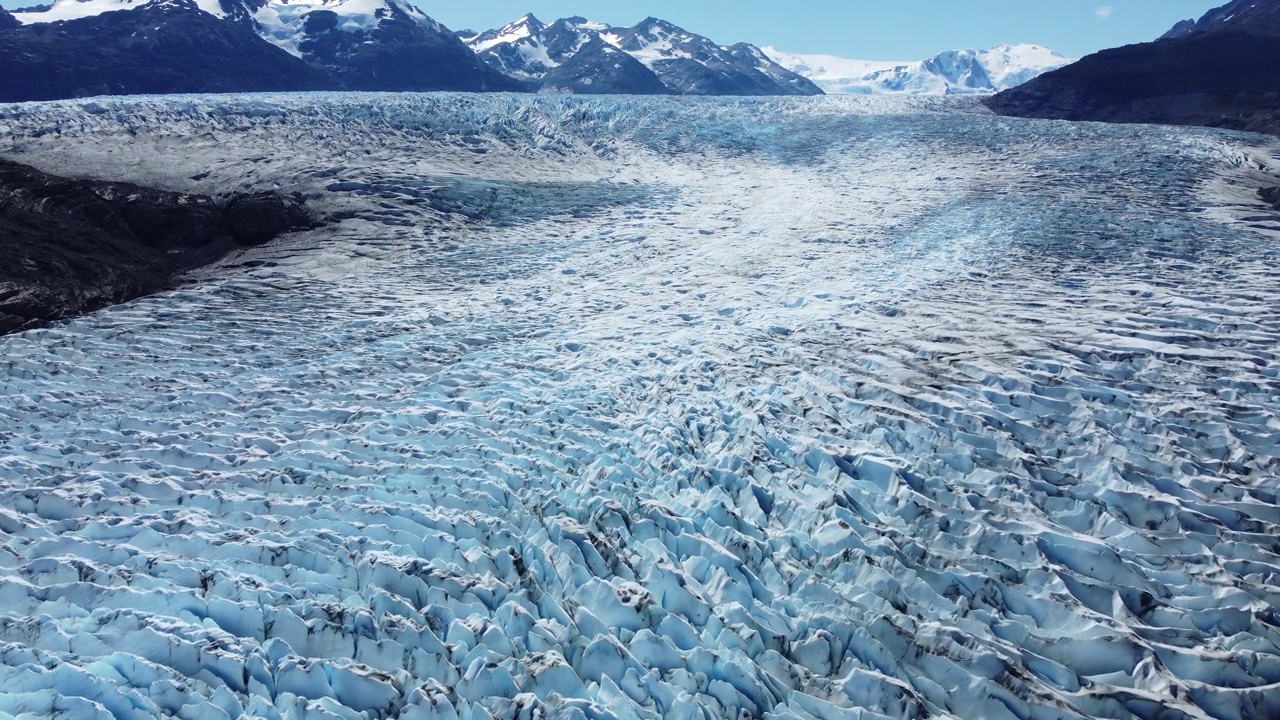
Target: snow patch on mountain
[281,22]
[285,23]
[835,75]
[77,9]
[1012,65]
[678,60]
[525,27]
[954,72]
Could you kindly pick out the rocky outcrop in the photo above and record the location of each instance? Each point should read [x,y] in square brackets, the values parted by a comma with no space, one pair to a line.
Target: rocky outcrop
[169,47]
[8,21]
[1270,196]
[1216,73]
[74,246]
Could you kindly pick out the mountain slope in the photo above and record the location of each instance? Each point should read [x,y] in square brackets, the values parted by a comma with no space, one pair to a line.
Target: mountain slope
[600,68]
[527,26]
[1259,17]
[1217,73]
[8,21]
[375,45]
[694,65]
[80,9]
[352,44]
[955,72]
[168,47]
[660,57]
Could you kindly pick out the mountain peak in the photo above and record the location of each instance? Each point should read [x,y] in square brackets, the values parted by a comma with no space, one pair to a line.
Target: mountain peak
[527,22]
[526,26]
[653,23]
[660,57]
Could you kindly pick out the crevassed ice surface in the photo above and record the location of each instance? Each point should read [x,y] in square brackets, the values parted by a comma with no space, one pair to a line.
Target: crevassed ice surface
[605,408]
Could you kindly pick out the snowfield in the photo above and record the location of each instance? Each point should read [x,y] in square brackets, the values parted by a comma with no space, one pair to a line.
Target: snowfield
[616,408]
[954,72]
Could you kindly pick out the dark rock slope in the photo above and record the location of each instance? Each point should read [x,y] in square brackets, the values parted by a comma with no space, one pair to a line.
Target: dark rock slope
[160,48]
[1260,17]
[8,21]
[598,68]
[405,51]
[1219,72]
[69,247]
[655,57]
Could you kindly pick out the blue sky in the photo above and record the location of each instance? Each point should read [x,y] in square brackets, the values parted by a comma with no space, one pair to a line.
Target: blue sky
[865,29]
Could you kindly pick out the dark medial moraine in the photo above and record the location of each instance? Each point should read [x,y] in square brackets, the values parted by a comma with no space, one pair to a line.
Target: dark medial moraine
[73,246]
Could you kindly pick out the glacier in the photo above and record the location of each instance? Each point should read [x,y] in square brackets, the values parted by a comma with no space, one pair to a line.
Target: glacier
[797,408]
[954,72]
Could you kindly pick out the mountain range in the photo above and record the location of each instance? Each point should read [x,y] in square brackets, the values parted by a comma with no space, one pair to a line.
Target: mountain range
[114,47]
[653,57]
[1218,71]
[1213,71]
[79,48]
[955,72]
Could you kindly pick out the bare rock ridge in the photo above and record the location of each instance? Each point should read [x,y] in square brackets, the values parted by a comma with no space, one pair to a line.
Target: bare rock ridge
[8,21]
[74,246]
[1217,72]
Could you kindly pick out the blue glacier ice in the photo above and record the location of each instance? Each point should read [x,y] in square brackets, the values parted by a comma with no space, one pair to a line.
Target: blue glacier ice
[619,408]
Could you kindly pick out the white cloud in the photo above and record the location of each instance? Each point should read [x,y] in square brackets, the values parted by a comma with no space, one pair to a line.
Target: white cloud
[1105,12]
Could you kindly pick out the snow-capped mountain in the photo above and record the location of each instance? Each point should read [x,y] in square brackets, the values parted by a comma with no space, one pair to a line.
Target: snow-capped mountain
[154,48]
[360,44]
[656,57]
[526,27]
[374,44]
[80,9]
[600,68]
[955,72]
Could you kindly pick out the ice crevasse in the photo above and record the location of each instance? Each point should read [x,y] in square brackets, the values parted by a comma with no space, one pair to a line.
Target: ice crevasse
[623,408]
